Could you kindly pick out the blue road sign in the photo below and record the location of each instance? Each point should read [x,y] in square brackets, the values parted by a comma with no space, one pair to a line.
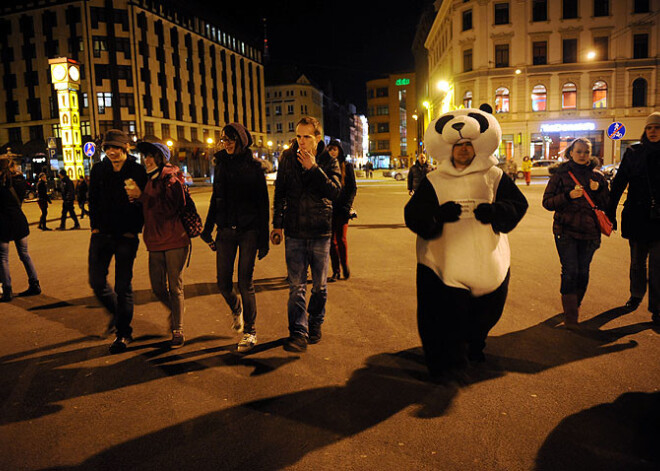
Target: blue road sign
[616,131]
[89,149]
[51,153]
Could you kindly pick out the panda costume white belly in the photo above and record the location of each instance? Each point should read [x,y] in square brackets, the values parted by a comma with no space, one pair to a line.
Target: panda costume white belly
[463,253]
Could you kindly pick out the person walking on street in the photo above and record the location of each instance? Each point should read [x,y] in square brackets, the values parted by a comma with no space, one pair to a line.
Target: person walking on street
[163,200]
[43,199]
[526,168]
[68,198]
[308,181]
[640,219]
[115,222]
[369,169]
[575,227]
[341,212]
[14,227]
[81,196]
[418,172]
[239,208]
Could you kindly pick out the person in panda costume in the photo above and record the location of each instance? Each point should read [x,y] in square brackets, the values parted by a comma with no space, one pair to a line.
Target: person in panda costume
[461,214]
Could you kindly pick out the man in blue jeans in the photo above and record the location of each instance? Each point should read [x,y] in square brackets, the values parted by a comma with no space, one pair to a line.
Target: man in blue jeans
[115,221]
[308,181]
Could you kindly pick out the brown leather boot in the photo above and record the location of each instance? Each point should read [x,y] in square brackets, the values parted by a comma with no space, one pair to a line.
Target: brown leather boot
[571,311]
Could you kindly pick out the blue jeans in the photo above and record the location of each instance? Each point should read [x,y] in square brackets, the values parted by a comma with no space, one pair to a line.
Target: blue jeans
[228,242]
[300,254]
[23,255]
[575,256]
[118,301]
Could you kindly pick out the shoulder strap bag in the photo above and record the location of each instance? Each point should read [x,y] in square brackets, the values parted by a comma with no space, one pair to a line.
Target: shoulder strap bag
[604,222]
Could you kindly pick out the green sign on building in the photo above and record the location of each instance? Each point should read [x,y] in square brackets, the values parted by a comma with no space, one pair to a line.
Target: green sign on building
[401,82]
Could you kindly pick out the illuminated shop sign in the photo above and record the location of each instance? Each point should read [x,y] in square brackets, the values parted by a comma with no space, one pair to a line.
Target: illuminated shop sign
[567,127]
[400,82]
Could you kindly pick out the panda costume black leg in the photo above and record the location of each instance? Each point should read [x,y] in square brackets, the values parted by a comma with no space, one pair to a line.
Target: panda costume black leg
[461,214]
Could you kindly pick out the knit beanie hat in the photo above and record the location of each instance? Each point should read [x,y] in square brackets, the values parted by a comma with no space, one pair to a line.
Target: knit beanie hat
[653,118]
[243,134]
[155,148]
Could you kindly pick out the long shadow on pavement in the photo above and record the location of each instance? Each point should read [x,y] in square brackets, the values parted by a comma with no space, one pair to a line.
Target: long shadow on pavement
[389,383]
[622,435]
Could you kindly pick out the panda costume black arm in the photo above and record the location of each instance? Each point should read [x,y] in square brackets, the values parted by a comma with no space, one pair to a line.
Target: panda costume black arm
[424,215]
[507,210]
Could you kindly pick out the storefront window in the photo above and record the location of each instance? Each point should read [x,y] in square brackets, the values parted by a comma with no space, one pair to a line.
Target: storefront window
[551,145]
[467,100]
[539,98]
[600,95]
[502,100]
[569,96]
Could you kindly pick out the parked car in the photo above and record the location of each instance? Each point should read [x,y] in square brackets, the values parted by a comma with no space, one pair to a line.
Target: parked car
[540,168]
[397,173]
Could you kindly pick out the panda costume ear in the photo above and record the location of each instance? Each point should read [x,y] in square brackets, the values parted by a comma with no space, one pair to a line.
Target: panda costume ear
[486,108]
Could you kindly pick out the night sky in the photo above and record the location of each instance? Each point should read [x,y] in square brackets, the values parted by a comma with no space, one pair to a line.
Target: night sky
[342,43]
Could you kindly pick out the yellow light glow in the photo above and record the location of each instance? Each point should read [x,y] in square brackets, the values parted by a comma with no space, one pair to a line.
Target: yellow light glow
[414,116]
[169,143]
[209,140]
[591,55]
[443,86]
[285,147]
[518,71]
[270,143]
[426,104]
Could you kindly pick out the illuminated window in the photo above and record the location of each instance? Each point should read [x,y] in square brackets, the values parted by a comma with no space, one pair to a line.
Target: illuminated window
[600,94]
[467,100]
[502,100]
[569,96]
[539,98]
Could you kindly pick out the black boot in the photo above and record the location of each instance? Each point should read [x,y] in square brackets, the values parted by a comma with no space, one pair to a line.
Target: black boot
[345,269]
[33,290]
[6,294]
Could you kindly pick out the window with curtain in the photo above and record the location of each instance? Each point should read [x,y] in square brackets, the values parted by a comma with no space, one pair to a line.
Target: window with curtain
[467,99]
[569,96]
[539,98]
[502,100]
[599,99]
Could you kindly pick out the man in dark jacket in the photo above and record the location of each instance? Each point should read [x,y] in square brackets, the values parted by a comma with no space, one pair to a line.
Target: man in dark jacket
[68,198]
[81,196]
[417,173]
[308,181]
[116,222]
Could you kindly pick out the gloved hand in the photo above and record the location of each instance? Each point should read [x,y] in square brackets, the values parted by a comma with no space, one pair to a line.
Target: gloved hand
[206,237]
[484,213]
[448,212]
[262,252]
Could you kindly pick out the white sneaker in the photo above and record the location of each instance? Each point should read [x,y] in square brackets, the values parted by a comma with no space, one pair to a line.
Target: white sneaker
[247,343]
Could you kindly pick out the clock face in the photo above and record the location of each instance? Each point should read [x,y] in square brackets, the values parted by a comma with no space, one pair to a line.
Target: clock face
[74,73]
[59,72]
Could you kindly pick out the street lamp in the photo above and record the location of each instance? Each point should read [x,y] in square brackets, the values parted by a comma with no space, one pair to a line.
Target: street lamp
[270,147]
[170,143]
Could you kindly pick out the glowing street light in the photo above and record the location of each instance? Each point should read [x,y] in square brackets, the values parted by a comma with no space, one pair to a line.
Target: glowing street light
[209,141]
[443,86]
[591,55]
[518,71]
[426,104]
[169,143]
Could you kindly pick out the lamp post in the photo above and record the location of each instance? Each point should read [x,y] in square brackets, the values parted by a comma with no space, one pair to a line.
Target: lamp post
[270,148]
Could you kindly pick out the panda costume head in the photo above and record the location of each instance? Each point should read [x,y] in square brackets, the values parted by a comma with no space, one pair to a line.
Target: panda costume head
[476,126]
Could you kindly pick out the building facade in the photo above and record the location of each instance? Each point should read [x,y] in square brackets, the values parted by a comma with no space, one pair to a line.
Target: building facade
[286,104]
[552,70]
[146,68]
[392,125]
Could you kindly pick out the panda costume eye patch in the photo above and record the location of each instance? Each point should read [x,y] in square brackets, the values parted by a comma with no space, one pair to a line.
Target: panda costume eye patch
[440,124]
[481,119]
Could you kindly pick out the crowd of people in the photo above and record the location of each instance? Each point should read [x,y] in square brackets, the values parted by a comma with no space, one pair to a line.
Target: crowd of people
[313,204]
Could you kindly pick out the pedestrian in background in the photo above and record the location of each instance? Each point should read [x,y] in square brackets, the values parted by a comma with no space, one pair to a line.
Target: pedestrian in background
[14,227]
[239,208]
[369,169]
[575,227]
[308,181]
[81,196]
[68,198]
[163,200]
[341,212]
[418,172]
[526,168]
[115,222]
[43,200]
[640,219]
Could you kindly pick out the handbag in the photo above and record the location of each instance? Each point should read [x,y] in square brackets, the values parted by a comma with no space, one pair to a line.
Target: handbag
[604,222]
[192,222]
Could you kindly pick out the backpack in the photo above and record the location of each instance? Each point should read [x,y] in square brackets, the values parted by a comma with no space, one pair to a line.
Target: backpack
[192,222]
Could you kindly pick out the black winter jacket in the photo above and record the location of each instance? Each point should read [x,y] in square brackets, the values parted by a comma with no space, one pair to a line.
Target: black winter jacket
[304,198]
[13,223]
[68,190]
[110,211]
[574,217]
[640,172]
[416,174]
[240,196]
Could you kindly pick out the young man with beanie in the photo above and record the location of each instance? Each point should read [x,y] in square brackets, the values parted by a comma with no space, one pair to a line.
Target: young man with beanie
[640,219]
[115,222]
[68,198]
[308,181]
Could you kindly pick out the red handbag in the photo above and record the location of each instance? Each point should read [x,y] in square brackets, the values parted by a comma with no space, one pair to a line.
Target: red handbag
[604,222]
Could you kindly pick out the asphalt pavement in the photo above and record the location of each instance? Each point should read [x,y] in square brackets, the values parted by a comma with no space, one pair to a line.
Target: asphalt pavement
[546,399]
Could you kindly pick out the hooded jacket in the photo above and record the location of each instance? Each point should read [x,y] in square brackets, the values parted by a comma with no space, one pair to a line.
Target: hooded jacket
[162,201]
[304,198]
[110,210]
[640,172]
[574,217]
[342,207]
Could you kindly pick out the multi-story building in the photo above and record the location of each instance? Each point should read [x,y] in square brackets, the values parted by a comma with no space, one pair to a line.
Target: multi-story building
[552,70]
[146,67]
[288,99]
[392,127]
